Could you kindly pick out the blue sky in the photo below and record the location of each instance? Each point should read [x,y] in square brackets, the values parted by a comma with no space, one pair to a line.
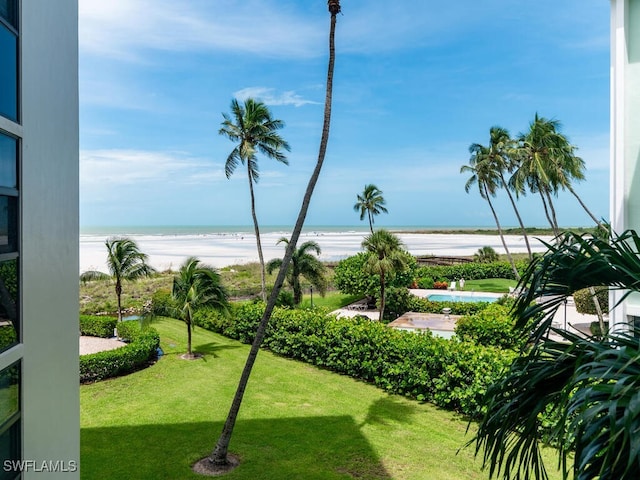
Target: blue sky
[415,84]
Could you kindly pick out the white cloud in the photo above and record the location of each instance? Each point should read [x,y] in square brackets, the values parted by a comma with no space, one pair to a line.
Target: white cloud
[106,168]
[123,29]
[270,97]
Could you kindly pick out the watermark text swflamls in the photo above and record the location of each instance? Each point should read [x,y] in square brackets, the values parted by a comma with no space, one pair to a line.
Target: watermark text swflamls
[40,466]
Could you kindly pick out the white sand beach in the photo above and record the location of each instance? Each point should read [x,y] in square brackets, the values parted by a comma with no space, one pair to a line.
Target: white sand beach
[220,249]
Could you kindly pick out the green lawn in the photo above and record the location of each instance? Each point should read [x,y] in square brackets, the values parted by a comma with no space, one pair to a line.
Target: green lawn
[497,285]
[332,300]
[297,421]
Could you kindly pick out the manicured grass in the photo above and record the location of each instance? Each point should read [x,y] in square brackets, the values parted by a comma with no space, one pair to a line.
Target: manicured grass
[297,421]
[497,285]
[332,300]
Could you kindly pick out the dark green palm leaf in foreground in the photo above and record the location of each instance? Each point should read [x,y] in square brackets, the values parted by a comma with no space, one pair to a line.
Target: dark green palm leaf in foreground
[590,388]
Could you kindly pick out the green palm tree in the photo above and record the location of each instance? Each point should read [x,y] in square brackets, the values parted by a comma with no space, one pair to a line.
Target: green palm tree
[370,203]
[253,128]
[125,261]
[499,152]
[385,259]
[590,386]
[196,285]
[485,176]
[303,264]
[219,455]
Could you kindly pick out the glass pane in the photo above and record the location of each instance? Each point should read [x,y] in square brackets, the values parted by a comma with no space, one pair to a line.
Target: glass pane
[10,450]
[9,11]
[9,392]
[8,161]
[8,224]
[9,324]
[8,74]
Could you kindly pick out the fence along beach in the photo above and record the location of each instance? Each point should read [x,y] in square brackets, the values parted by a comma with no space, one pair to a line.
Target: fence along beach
[167,247]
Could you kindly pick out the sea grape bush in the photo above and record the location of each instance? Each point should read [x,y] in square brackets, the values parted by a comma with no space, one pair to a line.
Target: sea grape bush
[350,275]
[492,326]
[471,271]
[449,373]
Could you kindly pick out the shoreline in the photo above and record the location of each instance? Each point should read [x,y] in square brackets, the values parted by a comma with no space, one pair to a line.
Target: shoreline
[167,251]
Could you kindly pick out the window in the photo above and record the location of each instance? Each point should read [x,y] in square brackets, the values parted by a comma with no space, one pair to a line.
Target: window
[10,418]
[9,12]
[9,59]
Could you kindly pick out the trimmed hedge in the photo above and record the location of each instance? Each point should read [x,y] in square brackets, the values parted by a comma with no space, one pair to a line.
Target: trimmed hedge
[448,373]
[472,271]
[142,348]
[97,326]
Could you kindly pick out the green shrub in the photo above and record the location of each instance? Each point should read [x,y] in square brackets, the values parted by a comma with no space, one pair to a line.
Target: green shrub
[472,271]
[584,300]
[161,302]
[449,373]
[492,326]
[350,275]
[142,348]
[97,325]
[425,282]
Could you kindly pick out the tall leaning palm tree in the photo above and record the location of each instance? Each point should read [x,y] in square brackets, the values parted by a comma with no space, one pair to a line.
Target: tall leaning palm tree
[125,262]
[484,175]
[219,455]
[501,147]
[385,259]
[196,285]
[253,128]
[303,264]
[590,386]
[370,203]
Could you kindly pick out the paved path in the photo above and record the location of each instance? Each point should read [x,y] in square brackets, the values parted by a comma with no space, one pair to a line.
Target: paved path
[97,344]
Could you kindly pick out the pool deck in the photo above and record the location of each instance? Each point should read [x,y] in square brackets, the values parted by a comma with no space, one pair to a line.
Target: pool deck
[567,317]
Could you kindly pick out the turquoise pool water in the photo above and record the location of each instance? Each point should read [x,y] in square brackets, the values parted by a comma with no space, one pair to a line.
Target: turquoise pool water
[443,297]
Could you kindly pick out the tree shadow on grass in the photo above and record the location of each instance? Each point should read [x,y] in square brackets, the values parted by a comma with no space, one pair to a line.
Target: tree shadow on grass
[310,448]
[389,409]
[212,348]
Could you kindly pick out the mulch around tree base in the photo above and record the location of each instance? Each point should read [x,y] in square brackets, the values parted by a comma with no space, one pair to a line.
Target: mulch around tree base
[206,467]
[193,356]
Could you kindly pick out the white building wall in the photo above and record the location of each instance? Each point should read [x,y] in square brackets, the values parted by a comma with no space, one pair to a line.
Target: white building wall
[625,133]
[50,233]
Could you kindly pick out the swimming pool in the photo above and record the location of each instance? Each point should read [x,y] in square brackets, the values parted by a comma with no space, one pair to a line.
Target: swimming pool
[459,297]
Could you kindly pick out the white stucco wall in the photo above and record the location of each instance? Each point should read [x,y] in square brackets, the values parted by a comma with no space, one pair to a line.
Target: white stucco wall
[625,132]
[49,248]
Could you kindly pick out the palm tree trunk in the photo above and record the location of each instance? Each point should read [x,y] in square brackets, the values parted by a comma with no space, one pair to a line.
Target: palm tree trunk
[219,454]
[504,244]
[546,212]
[515,209]
[585,207]
[370,221]
[263,273]
[552,210]
[381,296]
[188,322]
[119,295]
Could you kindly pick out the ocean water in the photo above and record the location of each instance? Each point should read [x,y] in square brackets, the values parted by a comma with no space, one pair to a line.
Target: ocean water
[220,246]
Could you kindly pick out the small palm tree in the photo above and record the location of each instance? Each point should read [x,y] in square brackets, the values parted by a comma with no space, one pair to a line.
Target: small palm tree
[486,254]
[590,386]
[196,285]
[370,203]
[385,259]
[125,261]
[253,128]
[303,264]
